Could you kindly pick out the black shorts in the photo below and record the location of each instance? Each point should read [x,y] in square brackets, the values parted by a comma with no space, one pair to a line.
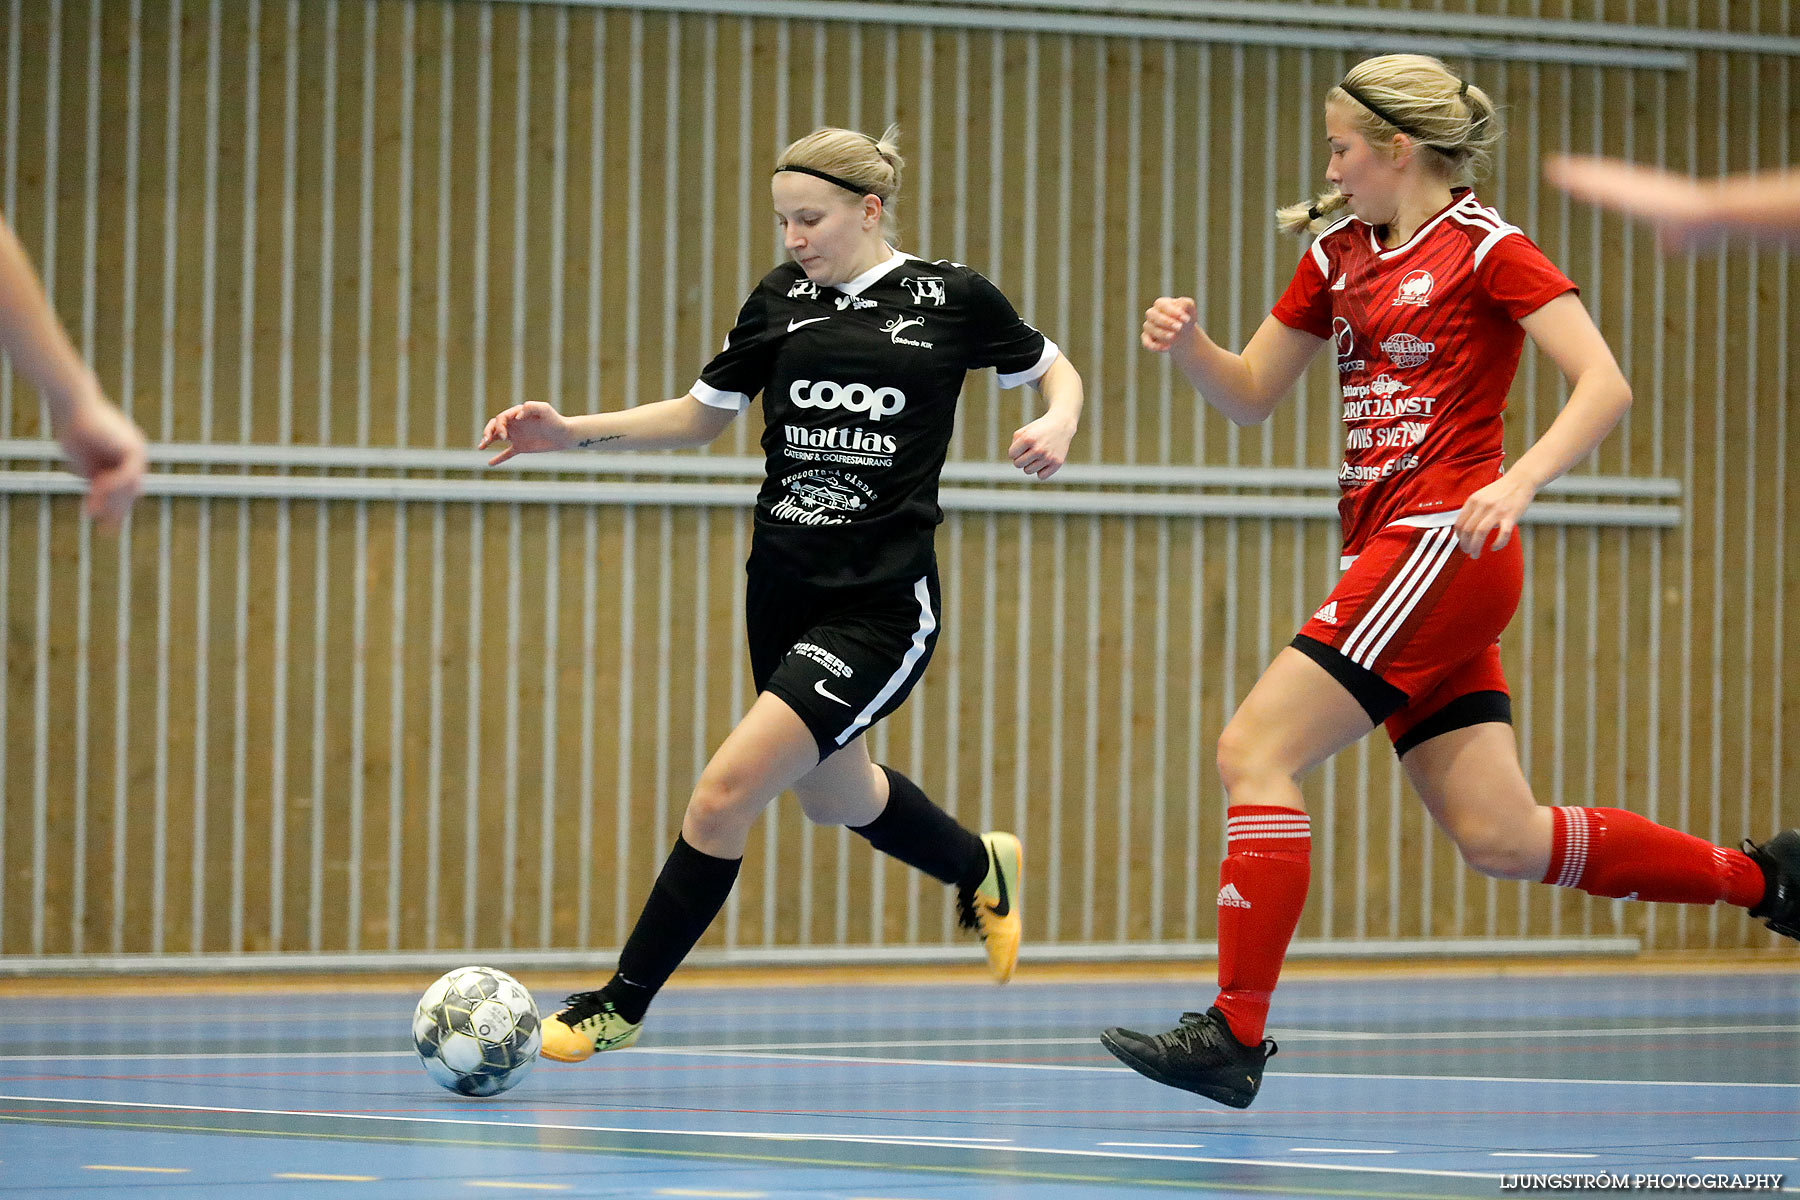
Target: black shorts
[843,658]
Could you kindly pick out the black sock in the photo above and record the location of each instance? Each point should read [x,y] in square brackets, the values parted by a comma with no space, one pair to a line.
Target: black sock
[922,835]
[688,895]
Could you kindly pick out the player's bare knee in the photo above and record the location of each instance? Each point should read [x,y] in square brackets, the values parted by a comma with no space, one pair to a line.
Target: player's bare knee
[1243,760]
[721,803]
[1497,849]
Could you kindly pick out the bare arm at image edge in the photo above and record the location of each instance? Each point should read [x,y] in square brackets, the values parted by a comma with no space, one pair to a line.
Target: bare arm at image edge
[104,446]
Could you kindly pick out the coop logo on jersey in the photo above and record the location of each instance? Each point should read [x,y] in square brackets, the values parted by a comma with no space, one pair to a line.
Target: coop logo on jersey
[821,497]
[899,325]
[851,397]
[1415,288]
[925,289]
[1405,350]
[844,302]
[804,289]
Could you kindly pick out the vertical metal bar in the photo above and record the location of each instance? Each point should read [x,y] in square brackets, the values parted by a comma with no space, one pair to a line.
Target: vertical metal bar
[1090,757]
[627,705]
[590,585]
[1059,524]
[171,190]
[1685,739]
[403,283]
[478,338]
[740,435]
[953,614]
[1752,439]
[549,721]
[278,782]
[590,579]
[1622,647]
[853,102]
[997,206]
[1653,785]
[203,598]
[40,772]
[84,549]
[321,511]
[240,679]
[15,27]
[1721,302]
[1096,384]
[515,513]
[359,629]
[127,385]
[990,664]
[959,229]
[634,158]
[434,770]
[14,36]
[1127,617]
[1778,567]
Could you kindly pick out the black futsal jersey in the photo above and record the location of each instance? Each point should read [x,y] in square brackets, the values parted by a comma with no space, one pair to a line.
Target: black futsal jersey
[859,384]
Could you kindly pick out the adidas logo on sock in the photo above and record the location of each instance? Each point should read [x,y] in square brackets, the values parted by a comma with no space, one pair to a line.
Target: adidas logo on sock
[1230,897]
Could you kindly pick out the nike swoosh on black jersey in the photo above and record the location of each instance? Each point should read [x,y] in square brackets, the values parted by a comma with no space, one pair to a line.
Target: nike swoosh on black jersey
[795,324]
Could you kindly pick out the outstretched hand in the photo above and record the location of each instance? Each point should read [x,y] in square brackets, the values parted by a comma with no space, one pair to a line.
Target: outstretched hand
[1167,322]
[529,428]
[1670,203]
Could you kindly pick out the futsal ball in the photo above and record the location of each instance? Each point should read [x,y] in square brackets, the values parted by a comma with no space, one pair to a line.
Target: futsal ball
[476,1031]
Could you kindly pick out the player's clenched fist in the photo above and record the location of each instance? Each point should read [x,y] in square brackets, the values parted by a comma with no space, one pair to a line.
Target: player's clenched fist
[1167,321]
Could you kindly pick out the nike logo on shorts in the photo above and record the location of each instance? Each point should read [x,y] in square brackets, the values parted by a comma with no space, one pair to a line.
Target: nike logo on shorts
[819,686]
[793,325]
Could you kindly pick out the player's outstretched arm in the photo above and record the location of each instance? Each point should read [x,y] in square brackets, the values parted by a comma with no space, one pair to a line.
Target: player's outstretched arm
[535,427]
[1042,447]
[1599,397]
[1244,387]
[1685,212]
[104,446]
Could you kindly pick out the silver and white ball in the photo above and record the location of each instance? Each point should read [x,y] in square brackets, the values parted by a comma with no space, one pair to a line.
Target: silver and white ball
[476,1031]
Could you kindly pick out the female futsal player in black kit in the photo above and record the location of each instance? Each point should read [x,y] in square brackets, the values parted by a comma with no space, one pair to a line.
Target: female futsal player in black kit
[859,352]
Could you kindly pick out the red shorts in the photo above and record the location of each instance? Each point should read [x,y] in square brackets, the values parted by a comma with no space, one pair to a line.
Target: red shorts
[1412,629]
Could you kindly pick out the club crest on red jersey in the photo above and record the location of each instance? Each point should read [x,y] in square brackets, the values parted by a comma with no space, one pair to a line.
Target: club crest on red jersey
[1415,288]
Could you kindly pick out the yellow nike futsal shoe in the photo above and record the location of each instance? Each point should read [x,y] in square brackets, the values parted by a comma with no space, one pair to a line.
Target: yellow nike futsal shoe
[992,909]
[587,1025]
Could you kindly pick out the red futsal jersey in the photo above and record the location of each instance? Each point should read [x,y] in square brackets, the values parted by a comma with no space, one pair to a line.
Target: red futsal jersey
[1427,337]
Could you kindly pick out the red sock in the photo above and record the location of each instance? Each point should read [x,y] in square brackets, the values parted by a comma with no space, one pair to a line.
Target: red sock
[1611,852]
[1262,887]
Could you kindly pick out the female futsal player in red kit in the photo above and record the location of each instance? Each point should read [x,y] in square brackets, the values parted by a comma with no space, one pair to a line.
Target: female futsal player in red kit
[1427,296]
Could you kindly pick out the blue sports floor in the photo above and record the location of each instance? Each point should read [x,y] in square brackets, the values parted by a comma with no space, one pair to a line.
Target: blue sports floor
[1386,1086]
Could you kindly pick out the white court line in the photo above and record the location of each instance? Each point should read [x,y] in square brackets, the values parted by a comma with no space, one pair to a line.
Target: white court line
[1536,1154]
[748,1136]
[1738,1158]
[702,1052]
[1160,1145]
[1334,1150]
[1297,1035]
[1533,1081]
